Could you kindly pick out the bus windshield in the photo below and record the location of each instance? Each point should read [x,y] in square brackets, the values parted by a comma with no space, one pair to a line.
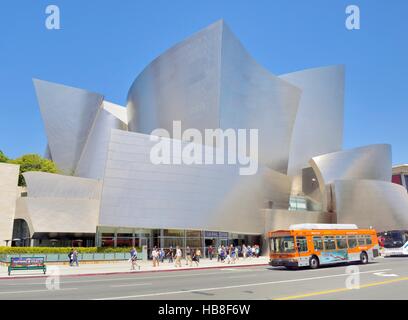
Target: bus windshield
[395,239]
[282,244]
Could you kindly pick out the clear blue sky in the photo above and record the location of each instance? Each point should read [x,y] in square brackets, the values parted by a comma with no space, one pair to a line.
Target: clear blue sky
[104,44]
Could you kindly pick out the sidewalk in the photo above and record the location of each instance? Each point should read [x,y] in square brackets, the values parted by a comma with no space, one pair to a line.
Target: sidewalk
[123,267]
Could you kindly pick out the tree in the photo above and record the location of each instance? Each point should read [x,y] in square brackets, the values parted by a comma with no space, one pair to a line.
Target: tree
[33,162]
[3,157]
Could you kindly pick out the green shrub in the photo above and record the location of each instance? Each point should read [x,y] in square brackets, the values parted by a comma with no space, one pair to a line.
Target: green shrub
[62,250]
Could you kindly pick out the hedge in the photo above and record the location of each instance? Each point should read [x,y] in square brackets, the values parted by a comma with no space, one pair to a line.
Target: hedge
[61,250]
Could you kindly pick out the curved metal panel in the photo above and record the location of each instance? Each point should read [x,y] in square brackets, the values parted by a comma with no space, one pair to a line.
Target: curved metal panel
[209,81]
[138,193]
[368,203]
[49,185]
[369,162]
[68,114]
[253,98]
[181,84]
[93,159]
[318,127]
[8,196]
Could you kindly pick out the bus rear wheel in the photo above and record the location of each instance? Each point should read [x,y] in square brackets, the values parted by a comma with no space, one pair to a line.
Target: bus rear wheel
[314,262]
[363,258]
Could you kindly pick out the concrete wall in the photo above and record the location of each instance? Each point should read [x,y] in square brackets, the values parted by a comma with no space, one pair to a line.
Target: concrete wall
[8,196]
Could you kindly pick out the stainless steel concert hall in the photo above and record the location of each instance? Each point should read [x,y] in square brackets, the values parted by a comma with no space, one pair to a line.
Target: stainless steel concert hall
[109,193]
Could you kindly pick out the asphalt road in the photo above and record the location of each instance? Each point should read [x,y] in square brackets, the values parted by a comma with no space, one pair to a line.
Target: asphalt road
[384,279]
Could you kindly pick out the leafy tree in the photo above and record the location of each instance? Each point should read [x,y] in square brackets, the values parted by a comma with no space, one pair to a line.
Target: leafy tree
[33,162]
[3,157]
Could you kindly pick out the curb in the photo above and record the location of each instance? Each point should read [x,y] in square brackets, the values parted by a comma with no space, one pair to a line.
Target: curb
[137,272]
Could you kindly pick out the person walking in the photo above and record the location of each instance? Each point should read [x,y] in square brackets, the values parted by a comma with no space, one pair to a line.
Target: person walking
[194,257]
[133,259]
[257,251]
[161,255]
[179,254]
[71,257]
[198,254]
[244,251]
[219,254]
[170,255]
[75,258]
[155,256]
[210,252]
[188,257]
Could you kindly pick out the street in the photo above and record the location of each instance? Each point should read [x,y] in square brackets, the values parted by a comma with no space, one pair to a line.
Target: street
[387,278]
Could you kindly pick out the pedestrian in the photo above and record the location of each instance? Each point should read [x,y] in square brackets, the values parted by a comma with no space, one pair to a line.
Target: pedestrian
[71,257]
[188,257]
[198,254]
[170,255]
[232,254]
[210,252]
[236,253]
[179,254]
[222,255]
[162,254]
[244,251]
[195,258]
[155,256]
[75,258]
[219,254]
[133,259]
[257,251]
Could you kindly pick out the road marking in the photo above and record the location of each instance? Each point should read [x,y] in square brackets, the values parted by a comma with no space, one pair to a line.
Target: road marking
[130,285]
[124,279]
[306,295]
[382,274]
[243,276]
[234,287]
[31,291]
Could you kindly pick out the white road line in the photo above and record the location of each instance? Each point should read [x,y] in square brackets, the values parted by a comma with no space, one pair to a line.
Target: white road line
[130,285]
[31,291]
[234,287]
[243,276]
[124,279]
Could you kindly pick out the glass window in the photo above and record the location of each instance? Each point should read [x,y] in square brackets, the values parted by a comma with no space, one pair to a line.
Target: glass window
[329,243]
[301,243]
[318,243]
[361,241]
[368,239]
[352,241]
[283,244]
[341,242]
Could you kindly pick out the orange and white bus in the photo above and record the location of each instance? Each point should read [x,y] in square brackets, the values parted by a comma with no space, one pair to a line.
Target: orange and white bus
[313,245]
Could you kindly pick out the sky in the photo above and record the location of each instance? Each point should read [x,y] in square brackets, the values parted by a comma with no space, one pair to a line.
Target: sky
[104,44]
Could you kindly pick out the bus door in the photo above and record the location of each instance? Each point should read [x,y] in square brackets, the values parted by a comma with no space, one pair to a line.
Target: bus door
[302,251]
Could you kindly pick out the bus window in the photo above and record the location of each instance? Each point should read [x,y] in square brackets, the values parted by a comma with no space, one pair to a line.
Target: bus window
[368,239]
[352,241]
[283,244]
[301,243]
[329,243]
[341,242]
[361,241]
[318,243]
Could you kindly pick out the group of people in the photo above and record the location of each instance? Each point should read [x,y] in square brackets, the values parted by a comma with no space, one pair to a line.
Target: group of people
[231,254]
[191,255]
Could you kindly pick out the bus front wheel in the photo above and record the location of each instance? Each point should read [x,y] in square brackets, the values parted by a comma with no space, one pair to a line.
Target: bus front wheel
[314,262]
[363,258]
